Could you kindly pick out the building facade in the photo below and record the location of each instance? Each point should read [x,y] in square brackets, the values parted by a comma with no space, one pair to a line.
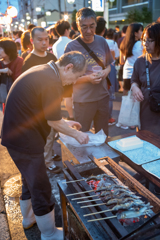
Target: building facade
[119,9]
[45,12]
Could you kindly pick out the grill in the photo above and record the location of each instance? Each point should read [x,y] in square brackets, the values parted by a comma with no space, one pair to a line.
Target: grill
[76,225]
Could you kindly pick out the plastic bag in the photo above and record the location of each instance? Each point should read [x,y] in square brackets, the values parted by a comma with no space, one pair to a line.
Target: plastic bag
[130,111]
[94,139]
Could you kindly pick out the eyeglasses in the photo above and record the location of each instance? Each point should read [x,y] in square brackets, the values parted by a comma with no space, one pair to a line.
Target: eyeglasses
[148,40]
[85,28]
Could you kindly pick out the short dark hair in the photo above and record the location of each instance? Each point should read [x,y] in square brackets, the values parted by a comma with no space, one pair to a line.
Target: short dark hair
[84,13]
[30,26]
[124,29]
[153,31]
[61,26]
[110,33]
[100,25]
[41,29]
[74,26]
[9,47]
[72,32]
[25,40]
[19,34]
[53,30]
[76,58]
[116,26]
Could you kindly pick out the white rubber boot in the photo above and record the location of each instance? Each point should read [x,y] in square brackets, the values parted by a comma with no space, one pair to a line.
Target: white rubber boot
[46,225]
[27,213]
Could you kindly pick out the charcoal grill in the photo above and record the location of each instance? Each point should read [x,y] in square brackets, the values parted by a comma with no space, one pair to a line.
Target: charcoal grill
[76,226]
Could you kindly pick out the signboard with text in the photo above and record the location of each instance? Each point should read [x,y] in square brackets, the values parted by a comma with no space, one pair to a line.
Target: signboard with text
[98,5]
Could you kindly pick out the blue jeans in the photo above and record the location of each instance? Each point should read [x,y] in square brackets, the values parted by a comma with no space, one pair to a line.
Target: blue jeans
[36,183]
[97,111]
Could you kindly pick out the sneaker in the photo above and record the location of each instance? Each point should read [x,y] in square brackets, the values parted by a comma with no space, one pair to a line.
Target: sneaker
[55,169]
[111,121]
[121,126]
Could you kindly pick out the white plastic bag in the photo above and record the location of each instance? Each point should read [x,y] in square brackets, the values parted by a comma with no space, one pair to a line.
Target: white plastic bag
[130,111]
[94,139]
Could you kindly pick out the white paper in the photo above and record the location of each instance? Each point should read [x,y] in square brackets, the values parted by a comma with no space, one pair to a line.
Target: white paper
[94,139]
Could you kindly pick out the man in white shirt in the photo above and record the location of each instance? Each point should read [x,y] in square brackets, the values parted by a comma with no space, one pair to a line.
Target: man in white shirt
[63,28]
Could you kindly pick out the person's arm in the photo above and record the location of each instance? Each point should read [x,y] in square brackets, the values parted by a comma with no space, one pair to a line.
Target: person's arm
[17,68]
[6,70]
[121,58]
[135,83]
[63,127]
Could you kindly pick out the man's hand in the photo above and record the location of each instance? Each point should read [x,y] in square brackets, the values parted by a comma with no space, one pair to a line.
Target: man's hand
[96,78]
[74,124]
[137,94]
[82,138]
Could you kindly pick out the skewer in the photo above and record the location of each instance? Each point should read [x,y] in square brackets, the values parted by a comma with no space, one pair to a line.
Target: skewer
[84,197]
[90,200]
[84,179]
[98,219]
[90,214]
[87,191]
[94,205]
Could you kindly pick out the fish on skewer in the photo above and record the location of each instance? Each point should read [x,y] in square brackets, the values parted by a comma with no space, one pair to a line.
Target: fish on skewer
[112,201]
[122,206]
[119,200]
[126,214]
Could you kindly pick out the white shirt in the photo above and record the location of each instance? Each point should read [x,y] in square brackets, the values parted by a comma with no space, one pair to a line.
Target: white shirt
[59,46]
[129,63]
[113,47]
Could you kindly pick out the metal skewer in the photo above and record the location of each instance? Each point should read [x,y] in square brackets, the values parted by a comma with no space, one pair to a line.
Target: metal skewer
[84,179]
[98,219]
[93,205]
[90,200]
[90,214]
[84,197]
[87,191]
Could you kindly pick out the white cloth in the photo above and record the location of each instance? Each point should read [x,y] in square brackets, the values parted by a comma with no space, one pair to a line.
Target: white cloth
[113,47]
[129,63]
[59,46]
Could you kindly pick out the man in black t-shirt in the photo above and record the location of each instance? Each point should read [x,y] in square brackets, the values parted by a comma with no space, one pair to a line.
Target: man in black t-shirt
[39,55]
[33,106]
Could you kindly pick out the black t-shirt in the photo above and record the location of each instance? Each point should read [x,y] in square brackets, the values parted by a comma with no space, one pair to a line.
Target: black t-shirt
[32,60]
[34,98]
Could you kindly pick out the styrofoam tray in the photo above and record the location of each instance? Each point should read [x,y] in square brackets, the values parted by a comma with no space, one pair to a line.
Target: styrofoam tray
[153,168]
[146,154]
[126,144]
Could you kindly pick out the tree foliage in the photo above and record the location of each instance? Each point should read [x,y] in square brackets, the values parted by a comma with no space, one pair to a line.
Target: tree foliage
[74,15]
[143,16]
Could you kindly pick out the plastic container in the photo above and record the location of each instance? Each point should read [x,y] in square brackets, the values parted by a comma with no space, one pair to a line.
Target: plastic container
[130,143]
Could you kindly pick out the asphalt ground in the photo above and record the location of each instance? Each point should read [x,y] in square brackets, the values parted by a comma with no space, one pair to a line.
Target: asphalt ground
[10,187]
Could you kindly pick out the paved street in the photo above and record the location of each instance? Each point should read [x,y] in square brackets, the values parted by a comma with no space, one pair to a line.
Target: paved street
[10,215]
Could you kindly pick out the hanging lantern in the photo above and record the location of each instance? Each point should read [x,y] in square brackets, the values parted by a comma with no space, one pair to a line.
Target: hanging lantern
[70,1]
[12,11]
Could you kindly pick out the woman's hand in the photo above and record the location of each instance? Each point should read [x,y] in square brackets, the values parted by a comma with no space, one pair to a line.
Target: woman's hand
[8,71]
[137,93]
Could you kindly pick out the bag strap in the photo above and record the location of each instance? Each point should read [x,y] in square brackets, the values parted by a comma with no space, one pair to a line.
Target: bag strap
[147,73]
[93,55]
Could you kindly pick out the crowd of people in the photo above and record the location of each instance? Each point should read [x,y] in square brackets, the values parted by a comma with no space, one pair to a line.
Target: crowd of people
[85,64]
